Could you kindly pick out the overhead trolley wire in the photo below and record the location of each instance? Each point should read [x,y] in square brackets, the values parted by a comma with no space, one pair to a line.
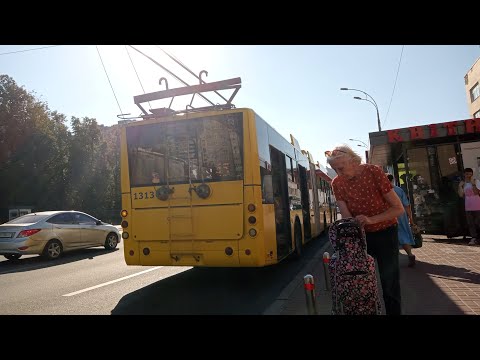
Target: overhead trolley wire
[186,68]
[394,85]
[19,51]
[126,48]
[121,112]
[171,73]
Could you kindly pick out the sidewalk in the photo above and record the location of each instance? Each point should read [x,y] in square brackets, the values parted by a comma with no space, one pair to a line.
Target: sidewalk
[445,281]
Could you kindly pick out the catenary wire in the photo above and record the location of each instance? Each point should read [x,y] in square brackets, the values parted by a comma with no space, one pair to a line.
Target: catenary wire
[394,85]
[186,68]
[138,77]
[121,112]
[171,73]
[20,51]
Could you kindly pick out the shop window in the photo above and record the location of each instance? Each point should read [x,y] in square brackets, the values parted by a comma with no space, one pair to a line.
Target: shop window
[447,160]
[433,173]
[422,192]
[418,166]
[402,177]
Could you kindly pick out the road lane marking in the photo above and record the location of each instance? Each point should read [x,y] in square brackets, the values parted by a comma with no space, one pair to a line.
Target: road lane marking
[111,282]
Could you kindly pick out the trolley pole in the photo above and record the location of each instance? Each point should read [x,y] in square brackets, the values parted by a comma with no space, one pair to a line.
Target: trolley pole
[309,285]
[326,261]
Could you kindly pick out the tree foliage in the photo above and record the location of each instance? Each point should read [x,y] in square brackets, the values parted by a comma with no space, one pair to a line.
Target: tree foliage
[46,165]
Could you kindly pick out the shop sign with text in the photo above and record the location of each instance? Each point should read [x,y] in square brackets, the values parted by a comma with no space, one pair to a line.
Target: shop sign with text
[434,130]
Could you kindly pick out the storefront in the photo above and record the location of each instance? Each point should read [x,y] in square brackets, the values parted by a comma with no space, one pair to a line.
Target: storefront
[427,162]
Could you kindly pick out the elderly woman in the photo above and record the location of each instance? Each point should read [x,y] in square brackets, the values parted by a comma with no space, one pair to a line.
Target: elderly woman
[364,192]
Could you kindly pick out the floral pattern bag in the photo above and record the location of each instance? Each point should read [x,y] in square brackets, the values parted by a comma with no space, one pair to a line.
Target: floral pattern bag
[352,271]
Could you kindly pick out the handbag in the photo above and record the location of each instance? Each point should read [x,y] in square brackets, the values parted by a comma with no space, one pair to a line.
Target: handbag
[417,236]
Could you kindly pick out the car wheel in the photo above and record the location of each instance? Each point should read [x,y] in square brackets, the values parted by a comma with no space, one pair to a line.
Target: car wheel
[13,256]
[53,249]
[111,242]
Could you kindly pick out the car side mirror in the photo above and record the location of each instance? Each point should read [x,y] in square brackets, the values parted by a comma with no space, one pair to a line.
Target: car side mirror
[99,222]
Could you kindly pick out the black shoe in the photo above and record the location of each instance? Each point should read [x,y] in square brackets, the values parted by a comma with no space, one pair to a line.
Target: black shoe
[411,261]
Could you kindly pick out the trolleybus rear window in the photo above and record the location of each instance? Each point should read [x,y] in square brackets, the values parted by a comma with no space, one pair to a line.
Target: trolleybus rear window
[197,150]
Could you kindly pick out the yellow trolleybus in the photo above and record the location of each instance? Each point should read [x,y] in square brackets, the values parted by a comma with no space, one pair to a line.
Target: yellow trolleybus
[216,186]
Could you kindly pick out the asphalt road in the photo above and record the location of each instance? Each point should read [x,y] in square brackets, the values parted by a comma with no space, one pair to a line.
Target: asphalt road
[98,282]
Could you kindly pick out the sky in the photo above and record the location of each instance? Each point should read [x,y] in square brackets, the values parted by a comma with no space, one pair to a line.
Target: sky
[295,88]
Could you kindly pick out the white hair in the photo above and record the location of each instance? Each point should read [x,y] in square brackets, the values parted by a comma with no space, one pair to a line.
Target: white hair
[341,151]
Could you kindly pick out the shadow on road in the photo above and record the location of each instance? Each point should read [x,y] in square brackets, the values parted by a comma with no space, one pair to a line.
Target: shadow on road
[34,262]
[215,291]
[200,291]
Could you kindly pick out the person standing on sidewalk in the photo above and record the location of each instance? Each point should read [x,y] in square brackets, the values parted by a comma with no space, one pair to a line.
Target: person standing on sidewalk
[364,192]
[405,236]
[469,189]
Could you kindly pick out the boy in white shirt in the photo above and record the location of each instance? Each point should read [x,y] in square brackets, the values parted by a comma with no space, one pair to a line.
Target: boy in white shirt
[469,188]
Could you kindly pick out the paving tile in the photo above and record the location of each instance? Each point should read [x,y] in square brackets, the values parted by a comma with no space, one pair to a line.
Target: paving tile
[446,281]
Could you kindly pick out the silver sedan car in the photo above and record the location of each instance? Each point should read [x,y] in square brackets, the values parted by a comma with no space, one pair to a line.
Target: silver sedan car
[50,233]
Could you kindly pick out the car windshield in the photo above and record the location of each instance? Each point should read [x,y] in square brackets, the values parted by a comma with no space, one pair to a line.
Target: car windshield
[28,219]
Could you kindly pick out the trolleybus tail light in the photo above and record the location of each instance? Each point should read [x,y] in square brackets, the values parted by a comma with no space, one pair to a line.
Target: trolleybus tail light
[252,220]
[131,252]
[203,191]
[163,192]
[228,251]
[125,235]
[252,232]
[124,213]
[251,207]
[124,224]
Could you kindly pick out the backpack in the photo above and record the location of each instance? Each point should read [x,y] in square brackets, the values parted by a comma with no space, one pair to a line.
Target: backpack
[352,271]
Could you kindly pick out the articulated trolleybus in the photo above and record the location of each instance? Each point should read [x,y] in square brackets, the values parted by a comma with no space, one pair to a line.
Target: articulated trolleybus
[216,186]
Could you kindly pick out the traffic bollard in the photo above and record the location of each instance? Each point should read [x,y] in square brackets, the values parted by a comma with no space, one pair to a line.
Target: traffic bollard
[326,261]
[309,285]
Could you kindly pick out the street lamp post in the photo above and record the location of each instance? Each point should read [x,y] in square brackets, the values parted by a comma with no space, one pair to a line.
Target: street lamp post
[364,145]
[370,101]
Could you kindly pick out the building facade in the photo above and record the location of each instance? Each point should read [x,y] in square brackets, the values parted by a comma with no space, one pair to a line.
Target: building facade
[472,88]
[428,162]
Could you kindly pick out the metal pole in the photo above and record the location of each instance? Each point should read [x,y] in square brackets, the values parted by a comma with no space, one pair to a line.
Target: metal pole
[363,142]
[326,261]
[309,285]
[366,99]
[378,120]
[376,108]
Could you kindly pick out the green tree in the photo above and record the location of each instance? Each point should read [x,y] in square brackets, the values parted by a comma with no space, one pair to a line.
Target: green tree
[111,137]
[94,169]
[44,164]
[33,144]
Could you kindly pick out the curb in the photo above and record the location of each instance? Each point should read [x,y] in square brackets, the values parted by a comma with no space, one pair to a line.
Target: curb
[276,307]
